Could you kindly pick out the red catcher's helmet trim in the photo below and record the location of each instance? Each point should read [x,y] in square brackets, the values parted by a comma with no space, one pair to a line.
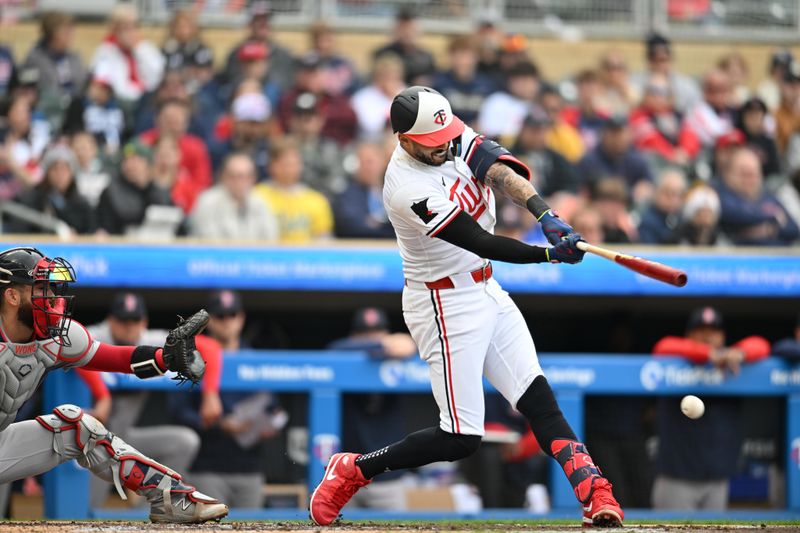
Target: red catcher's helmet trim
[438,138]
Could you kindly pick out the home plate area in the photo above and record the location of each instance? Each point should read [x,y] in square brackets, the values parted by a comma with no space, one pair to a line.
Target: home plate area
[377,527]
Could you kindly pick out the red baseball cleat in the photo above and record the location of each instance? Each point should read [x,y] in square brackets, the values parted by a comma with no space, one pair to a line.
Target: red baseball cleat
[602,510]
[342,479]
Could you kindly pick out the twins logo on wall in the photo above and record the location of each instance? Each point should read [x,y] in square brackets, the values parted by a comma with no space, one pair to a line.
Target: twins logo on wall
[795,453]
[324,445]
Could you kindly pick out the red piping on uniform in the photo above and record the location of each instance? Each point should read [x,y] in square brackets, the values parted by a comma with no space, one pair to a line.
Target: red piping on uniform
[449,367]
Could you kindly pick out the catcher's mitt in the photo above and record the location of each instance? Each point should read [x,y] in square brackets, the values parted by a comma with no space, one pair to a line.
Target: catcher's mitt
[180,352]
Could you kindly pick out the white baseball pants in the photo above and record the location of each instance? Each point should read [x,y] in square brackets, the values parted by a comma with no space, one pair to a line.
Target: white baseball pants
[466,333]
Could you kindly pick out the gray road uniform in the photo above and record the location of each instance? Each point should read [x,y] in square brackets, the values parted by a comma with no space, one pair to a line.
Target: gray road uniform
[35,446]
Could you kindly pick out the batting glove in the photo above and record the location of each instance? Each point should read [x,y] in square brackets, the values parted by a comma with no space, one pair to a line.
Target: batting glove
[554,228]
[566,251]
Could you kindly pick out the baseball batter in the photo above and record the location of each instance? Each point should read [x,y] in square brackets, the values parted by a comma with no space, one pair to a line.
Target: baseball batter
[38,335]
[439,195]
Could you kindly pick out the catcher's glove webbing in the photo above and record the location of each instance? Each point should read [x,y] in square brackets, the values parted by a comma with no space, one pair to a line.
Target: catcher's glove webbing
[180,352]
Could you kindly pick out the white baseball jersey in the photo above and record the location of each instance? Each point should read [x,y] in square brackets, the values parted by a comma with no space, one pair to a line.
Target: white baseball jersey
[469,331]
[422,199]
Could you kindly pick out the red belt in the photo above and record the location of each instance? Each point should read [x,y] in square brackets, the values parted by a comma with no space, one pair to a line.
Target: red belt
[478,276]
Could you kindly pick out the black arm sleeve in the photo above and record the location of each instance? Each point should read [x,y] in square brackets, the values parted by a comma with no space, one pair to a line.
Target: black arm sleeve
[465,233]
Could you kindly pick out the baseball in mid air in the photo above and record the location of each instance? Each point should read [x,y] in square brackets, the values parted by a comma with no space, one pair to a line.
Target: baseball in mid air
[692,406]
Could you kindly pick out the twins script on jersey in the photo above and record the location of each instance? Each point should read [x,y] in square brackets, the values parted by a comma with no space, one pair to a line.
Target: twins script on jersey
[422,199]
[25,364]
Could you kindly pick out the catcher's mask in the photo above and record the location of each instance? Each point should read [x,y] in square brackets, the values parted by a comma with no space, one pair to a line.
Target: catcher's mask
[49,280]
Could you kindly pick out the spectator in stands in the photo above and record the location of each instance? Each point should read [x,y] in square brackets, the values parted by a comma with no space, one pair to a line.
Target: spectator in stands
[281,63]
[231,209]
[562,137]
[254,64]
[590,224]
[372,102]
[358,211]
[173,121]
[684,90]
[8,71]
[418,63]
[610,199]
[249,131]
[22,141]
[463,86]
[340,124]
[751,121]
[751,215]
[715,115]
[660,129]
[232,458]
[660,221]
[123,204]
[615,155]
[323,159]
[617,95]
[552,172]
[789,348]
[503,112]
[132,64]
[57,195]
[172,87]
[370,420]
[513,52]
[170,175]
[787,114]
[127,324]
[586,115]
[769,89]
[700,217]
[199,70]
[183,42]
[338,71]
[787,191]
[62,74]
[697,457]
[303,214]
[97,112]
[488,40]
[735,67]
[92,175]
[725,147]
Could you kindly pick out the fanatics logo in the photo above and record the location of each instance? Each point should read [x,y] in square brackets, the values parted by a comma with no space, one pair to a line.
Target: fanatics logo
[421,210]
[440,117]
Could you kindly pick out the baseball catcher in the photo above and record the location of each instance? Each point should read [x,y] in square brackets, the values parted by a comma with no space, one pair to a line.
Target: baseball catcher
[39,335]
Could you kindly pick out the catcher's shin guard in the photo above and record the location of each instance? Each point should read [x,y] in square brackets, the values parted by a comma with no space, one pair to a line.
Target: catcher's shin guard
[112,459]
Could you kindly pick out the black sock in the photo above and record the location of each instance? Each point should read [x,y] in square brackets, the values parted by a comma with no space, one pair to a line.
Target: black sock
[539,406]
[417,449]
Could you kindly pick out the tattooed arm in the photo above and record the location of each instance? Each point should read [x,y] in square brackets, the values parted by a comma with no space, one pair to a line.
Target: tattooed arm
[503,179]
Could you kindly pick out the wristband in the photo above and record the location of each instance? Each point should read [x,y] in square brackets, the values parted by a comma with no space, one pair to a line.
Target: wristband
[144,362]
[537,206]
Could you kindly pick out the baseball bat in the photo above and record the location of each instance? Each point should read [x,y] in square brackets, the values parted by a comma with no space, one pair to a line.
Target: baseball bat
[648,268]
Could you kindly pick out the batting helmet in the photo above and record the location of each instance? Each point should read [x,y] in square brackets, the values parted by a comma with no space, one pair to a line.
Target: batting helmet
[425,116]
[52,307]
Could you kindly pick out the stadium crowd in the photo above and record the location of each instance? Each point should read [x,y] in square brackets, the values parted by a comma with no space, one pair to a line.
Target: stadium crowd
[151,139]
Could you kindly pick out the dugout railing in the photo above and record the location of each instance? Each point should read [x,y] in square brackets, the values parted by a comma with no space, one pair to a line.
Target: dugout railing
[326,376]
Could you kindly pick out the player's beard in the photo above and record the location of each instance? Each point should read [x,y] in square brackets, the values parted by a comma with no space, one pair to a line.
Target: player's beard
[25,314]
[435,159]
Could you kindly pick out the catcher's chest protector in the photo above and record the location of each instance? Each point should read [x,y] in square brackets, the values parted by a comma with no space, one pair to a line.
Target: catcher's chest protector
[23,365]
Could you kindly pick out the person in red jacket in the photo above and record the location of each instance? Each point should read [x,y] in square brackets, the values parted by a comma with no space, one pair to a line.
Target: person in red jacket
[173,120]
[659,128]
[696,458]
